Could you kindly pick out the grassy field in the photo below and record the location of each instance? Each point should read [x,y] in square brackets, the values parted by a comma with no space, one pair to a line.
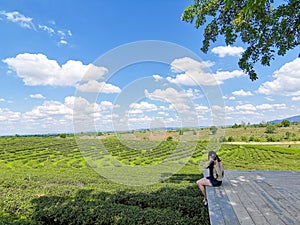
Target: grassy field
[46,180]
[257,133]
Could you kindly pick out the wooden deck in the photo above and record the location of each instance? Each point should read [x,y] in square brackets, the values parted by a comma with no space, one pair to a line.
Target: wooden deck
[256,197]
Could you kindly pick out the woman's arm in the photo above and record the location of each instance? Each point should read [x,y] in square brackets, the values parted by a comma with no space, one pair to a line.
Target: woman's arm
[208,163]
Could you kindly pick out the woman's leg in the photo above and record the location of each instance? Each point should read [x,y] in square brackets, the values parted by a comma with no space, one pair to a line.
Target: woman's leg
[201,184]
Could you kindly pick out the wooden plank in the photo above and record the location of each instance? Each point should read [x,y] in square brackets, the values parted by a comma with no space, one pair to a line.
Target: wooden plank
[268,212]
[220,208]
[255,198]
[246,202]
[215,213]
[237,203]
[279,204]
[226,207]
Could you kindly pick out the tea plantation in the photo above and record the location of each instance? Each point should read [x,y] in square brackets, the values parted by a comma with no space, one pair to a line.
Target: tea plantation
[46,180]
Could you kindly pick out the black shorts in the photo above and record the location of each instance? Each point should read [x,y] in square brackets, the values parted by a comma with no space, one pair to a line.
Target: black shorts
[214,182]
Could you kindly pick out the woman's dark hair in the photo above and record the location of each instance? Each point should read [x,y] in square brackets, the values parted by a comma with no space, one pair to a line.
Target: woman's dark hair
[214,155]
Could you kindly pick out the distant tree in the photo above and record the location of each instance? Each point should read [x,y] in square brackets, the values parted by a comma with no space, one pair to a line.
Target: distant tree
[213,129]
[285,123]
[264,26]
[169,138]
[230,139]
[270,129]
[62,135]
[235,125]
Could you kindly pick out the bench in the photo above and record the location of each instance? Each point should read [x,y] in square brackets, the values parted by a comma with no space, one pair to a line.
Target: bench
[220,209]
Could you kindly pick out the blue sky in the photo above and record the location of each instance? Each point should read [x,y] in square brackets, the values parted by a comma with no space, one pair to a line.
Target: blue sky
[49,63]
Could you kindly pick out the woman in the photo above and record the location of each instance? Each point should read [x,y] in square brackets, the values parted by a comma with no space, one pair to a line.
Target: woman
[216,173]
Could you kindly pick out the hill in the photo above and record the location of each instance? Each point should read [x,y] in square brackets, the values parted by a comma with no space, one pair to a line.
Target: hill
[291,119]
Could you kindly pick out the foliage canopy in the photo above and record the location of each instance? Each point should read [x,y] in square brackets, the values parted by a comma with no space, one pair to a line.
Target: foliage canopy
[264,26]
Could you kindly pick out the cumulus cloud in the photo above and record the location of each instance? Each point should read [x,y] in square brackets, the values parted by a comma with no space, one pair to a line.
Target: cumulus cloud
[178,99]
[264,107]
[296,98]
[248,107]
[271,106]
[286,81]
[6,115]
[37,69]
[38,96]
[242,93]
[192,73]
[179,103]
[223,51]
[100,87]
[143,106]
[157,77]
[202,109]
[55,116]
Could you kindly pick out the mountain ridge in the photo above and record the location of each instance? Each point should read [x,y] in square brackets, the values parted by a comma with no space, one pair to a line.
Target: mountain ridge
[291,119]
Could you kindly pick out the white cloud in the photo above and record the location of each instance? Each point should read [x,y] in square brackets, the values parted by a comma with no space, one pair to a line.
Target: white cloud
[286,83]
[296,98]
[223,51]
[28,23]
[63,42]
[54,116]
[143,106]
[7,115]
[229,109]
[186,64]
[242,93]
[38,96]
[202,109]
[225,75]
[46,28]
[18,18]
[157,77]
[193,73]
[248,107]
[37,69]
[264,107]
[101,87]
[178,99]
[47,110]
[271,106]
[180,106]
[194,93]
